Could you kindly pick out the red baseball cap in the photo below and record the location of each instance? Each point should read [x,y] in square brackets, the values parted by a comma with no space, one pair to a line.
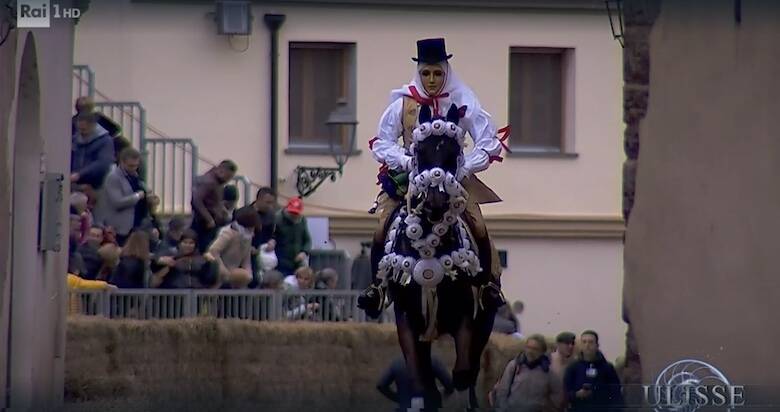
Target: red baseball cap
[295,206]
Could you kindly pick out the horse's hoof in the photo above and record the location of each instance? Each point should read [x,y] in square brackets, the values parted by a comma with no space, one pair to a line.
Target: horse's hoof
[461,380]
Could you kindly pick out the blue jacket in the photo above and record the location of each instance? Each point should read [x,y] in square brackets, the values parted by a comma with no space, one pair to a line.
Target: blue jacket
[604,382]
[92,157]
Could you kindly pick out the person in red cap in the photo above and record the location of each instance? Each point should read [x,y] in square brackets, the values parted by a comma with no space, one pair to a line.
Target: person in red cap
[293,241]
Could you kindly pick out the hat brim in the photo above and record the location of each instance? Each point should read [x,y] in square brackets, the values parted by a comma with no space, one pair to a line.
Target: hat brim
[430,61]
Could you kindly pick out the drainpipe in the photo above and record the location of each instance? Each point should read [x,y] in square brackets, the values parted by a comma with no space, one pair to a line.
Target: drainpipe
[274,22]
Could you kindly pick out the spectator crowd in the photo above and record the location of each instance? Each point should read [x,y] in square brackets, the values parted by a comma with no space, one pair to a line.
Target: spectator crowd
[117,239]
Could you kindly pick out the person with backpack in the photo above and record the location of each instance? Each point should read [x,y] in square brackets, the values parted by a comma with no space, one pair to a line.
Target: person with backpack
[527,384]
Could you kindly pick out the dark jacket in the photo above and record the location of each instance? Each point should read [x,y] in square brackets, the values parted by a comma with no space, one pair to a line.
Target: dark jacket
[92,157]
[291,239]
[264,229]
[604,382]
[398,373]
[207,200]
[190,272]
[130,273]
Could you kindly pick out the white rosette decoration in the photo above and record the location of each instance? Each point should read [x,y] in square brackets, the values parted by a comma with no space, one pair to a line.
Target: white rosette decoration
[436,176]
[440,229]
[438,127]
[414,231]
[450,218]
[427,252]
[433,241]
[428,272]
[458,205]
[424,129]
[407,264]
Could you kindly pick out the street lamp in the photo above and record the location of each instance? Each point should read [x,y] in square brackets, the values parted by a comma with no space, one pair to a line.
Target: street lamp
[615,14]
[310,178]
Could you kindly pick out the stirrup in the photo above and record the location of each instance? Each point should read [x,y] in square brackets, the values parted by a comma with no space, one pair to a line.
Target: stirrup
[366,296]
[491,285]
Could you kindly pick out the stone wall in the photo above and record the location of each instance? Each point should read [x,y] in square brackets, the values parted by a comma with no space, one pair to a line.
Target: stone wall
[639,16]
[700,188]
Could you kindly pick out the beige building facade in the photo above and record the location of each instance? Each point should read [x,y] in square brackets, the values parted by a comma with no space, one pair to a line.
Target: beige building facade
[560,221]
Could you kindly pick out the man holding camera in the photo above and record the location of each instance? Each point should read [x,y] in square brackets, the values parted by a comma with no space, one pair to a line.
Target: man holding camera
[591,383]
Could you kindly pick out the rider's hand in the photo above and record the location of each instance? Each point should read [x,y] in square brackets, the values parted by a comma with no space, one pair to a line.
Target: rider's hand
[462,173]
[406,164]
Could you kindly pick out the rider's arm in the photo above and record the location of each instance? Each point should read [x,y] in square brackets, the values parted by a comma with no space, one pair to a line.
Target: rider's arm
[386,148]
[486,144]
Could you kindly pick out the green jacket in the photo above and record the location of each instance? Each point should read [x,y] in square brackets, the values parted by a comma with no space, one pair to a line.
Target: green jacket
[291,238]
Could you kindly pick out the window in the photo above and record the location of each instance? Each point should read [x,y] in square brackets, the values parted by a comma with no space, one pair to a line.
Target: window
[541,100]
[321,74]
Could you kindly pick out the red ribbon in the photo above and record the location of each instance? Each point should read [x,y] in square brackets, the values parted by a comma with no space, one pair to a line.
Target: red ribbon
[506,131]
[371,142]
[384,169]
[430,101]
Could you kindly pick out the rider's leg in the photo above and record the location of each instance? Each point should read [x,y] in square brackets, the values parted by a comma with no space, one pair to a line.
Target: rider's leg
[371,298]
[488,255]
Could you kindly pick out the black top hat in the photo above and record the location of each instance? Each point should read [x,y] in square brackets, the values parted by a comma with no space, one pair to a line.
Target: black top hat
[431,51]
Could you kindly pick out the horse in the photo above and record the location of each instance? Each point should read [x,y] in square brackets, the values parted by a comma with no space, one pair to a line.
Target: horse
[430,263]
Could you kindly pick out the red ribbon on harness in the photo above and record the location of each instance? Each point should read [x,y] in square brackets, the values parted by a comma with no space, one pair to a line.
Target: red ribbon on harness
[505,132]
[383,170]
[430,101]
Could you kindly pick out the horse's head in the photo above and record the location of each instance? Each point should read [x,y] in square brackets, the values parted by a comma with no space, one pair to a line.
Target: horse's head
[438,152]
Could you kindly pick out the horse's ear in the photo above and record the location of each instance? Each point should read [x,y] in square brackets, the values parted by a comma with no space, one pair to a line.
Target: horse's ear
[425,114]
[453,114]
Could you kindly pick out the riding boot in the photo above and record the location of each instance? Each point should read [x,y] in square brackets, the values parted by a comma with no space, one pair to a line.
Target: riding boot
[371,300]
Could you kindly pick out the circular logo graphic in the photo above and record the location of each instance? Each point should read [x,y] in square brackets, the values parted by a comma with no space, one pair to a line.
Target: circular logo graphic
[681,379]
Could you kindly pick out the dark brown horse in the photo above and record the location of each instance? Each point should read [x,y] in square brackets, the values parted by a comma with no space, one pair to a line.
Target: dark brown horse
[430,263]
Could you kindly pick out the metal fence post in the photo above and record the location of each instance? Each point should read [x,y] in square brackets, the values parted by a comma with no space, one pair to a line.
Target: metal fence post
[142,140]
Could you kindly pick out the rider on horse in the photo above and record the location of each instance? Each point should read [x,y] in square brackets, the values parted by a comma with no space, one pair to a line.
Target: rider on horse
[436,85]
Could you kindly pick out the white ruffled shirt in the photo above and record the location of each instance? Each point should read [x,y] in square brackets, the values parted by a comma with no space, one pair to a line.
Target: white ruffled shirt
[476,121]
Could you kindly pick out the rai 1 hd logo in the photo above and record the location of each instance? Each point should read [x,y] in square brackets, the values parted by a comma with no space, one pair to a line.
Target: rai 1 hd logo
[39,13]
[688,385]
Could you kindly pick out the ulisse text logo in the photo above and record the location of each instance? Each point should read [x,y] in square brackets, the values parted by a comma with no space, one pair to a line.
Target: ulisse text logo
[689,384]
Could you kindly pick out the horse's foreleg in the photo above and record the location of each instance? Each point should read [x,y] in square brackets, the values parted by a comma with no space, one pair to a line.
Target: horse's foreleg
[461,373]
[481,334]
[408,341]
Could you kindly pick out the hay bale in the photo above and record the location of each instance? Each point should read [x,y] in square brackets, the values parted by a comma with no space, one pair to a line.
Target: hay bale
[209,364]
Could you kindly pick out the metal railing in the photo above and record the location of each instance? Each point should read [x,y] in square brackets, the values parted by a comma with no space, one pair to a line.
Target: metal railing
[246,193]
[252,304]
[131,117]
[172,169]
[85,81]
